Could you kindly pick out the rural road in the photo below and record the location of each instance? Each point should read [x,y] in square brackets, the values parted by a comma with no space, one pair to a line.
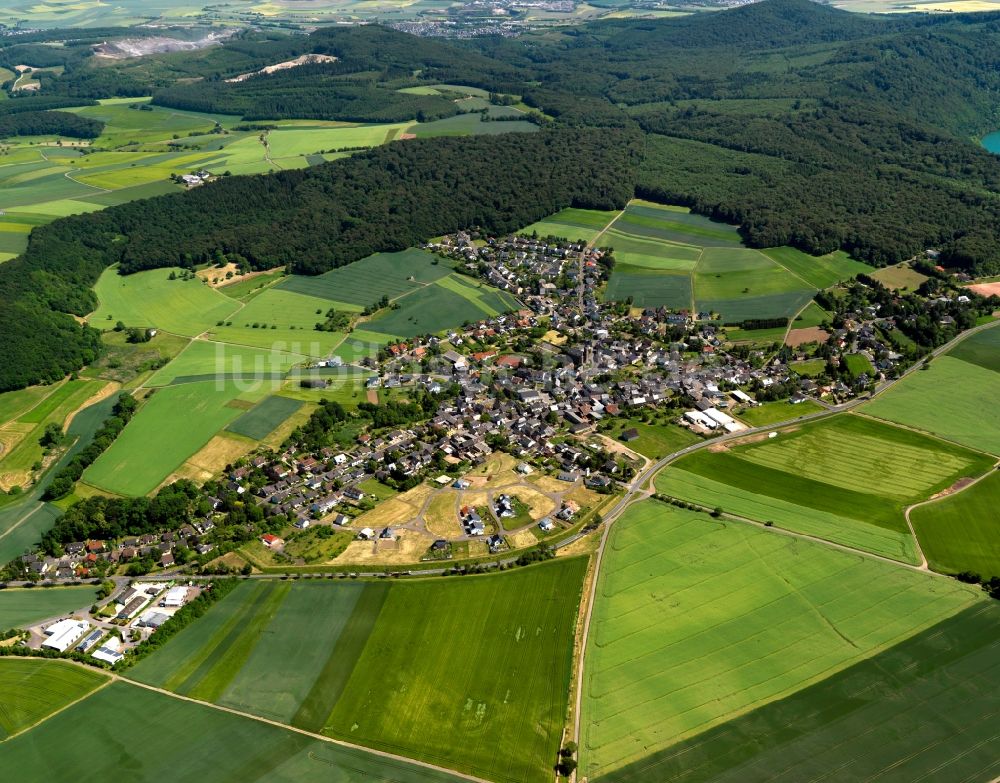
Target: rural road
[637,491]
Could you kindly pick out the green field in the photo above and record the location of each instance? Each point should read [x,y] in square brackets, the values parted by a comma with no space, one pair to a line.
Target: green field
[20,607]
[774,412]
[913,712]
[816,479]
[981,348]
[364,282]
[31,689]
[152,299]
[675,651]
[447,303]
[283,321]
[961,532]
[478,683]
[858,365]
[204,360]
[655,440]
[169,427]
[573,224]
[470,124]
[812,315]
[950,399]
[669,257]
[265,417]
[818,271]
[53,409]
[156,737]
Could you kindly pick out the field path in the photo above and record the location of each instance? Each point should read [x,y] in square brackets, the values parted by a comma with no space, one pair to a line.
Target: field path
[71,179]
[65,707]
[941,496]
[113,677]
[590,244]
[310,734]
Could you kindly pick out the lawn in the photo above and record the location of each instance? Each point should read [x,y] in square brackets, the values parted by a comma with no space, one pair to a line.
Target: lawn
[774,412]
[362,283]
[913,712]
[169,427]
[962,532]
[479,683]
[31,689]
[655,440]
[129,727]
[470,673]
[20,607]
[152,299]
[265,417]
[675,651]
[204,360]
[952,399]
[858,364]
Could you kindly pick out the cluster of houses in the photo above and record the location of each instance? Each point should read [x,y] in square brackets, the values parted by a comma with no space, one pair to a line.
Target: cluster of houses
[83,559]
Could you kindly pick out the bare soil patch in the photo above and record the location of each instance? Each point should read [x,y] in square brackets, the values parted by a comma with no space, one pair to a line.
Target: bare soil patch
[986,289]
[958,486]
[813,334]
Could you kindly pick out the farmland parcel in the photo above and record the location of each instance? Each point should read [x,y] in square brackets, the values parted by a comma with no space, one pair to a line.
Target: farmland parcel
[816,479]
[388,665]
[129,727]
[30,689]
[675,650]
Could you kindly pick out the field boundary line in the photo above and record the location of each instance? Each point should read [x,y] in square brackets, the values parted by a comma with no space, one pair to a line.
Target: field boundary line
[304,732]
[108,680]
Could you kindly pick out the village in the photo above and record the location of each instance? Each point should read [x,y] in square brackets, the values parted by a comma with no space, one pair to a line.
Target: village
[532,395]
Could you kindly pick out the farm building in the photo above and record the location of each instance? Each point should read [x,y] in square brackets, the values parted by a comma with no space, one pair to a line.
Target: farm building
[109,652]
[64,633]
[176,596]
[630,435]
[271,541]
[152,619]
[743,397]
[366,534]
[90,639]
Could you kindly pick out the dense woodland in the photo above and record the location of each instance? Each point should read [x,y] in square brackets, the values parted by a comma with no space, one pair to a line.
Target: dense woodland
[49,123]
[803,124]
[310,220]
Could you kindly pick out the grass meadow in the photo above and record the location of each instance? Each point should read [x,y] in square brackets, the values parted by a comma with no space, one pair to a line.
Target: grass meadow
[357,285]
[669,257]
[170,426]
[655,440]
[31,689]
[675,651]
[778,411]
[470,673]
[206,360]
[157,737]
[961,532]
[152,299]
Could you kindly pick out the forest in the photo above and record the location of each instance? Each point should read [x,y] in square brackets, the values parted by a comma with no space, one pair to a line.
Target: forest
[804,124]
[49,123]
[309,220]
